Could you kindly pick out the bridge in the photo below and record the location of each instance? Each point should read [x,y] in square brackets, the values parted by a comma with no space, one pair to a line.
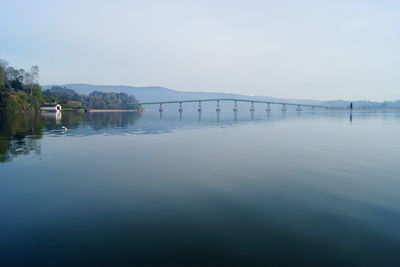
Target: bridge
[235,101]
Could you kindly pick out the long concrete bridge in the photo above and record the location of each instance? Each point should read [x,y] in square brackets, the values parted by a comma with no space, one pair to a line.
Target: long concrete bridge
[235,101]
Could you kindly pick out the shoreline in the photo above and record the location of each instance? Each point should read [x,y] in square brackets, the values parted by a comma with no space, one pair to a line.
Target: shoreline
[113,110]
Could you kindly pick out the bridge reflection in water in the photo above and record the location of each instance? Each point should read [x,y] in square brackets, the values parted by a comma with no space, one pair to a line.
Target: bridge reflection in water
[21,133]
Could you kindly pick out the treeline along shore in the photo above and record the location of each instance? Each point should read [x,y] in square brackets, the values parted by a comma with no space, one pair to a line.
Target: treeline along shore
[70,100]
[21,92]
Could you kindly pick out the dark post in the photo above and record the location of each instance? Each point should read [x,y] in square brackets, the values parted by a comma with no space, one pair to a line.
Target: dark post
[351,112]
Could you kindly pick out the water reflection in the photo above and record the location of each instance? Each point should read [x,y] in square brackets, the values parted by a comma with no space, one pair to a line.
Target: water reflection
[19,135]
[20,132]
[138,188]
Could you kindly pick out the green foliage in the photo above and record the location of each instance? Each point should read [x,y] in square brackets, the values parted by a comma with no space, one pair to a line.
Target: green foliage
[36,96]
[15,78]
[19,88]
[102,100]
[21,92]
[73,105]
[69,99]
[2,77]
[60,95]
[17,101]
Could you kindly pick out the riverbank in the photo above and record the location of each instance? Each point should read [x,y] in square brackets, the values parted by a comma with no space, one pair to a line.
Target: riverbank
[113,110]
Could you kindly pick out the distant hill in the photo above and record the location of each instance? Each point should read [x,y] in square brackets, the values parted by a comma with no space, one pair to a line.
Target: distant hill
[157,93]
[153,93]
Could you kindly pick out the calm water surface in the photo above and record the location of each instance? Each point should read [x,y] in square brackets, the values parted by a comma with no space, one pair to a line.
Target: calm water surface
[128,189]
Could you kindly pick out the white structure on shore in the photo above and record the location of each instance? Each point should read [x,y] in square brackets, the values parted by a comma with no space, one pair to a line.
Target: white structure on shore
[50,108]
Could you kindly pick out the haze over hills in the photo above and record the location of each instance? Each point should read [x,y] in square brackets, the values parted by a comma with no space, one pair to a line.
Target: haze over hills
[157,93]
[154,93]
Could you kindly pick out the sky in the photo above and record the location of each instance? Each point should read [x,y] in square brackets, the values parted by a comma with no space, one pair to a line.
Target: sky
[308,49]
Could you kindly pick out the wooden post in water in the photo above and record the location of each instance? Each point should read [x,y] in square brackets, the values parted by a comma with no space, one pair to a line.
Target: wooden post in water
[351,112]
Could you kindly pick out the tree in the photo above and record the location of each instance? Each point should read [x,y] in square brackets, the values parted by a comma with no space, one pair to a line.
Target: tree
[3,67]
[2,77]
[36,96]
[15,78]
[61,95]
[35,73]
[23,92]
[31,78]
[102,100]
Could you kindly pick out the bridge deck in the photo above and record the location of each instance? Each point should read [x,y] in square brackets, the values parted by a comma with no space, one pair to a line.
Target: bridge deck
[233,100]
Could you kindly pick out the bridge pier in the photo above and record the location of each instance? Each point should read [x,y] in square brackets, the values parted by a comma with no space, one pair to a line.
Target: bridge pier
[218,107]
[268,108]
[235,109]
[252,107]
[300,106]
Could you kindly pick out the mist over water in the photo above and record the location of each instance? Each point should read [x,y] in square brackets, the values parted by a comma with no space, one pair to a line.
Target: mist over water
[295,188]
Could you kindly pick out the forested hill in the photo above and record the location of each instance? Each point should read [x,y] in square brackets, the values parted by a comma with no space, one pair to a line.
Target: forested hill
[20,91]
[148,93]
[156,93]
[70,99]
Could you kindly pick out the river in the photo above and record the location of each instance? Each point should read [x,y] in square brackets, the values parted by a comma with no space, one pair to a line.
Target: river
[129,189]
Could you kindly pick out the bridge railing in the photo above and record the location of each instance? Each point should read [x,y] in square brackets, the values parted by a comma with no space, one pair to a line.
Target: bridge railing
[234,100]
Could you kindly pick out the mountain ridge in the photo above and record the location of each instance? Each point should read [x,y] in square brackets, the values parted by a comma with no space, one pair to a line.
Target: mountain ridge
[159,93]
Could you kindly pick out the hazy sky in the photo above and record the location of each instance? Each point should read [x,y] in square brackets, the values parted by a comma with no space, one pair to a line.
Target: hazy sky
[338,49]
